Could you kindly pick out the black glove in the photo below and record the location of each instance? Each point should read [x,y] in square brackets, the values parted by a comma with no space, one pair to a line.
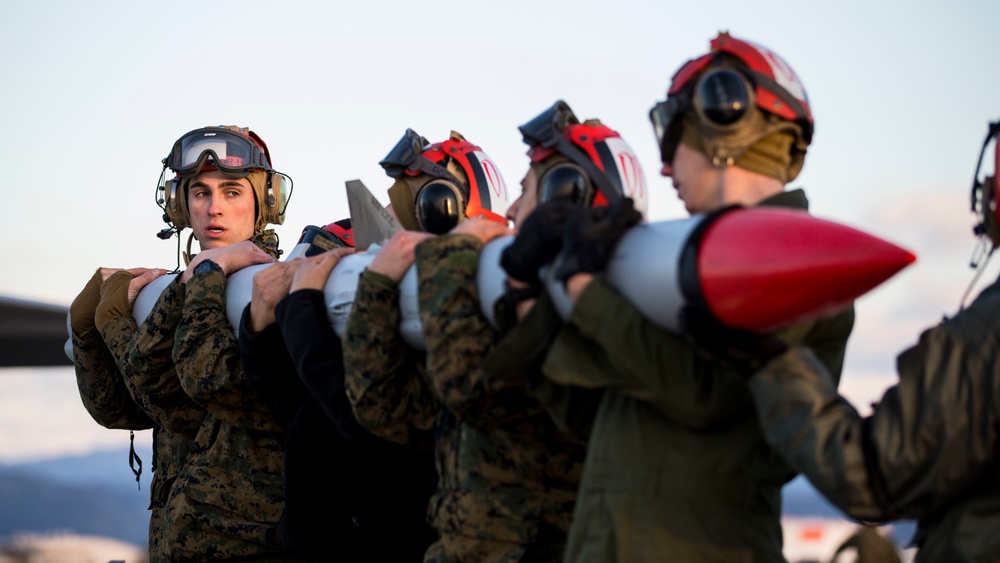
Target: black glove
[537,241]
[591,237]
[732,348]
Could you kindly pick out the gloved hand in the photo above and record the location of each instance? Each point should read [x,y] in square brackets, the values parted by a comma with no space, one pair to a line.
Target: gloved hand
[82,310]
[537,241]
[591,237]
[733,348]
[114,299]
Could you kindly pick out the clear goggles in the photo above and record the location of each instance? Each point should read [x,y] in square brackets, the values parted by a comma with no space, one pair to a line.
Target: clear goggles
[228,151]
[722,97]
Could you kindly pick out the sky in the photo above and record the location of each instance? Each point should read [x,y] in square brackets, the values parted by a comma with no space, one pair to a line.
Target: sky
[95,93]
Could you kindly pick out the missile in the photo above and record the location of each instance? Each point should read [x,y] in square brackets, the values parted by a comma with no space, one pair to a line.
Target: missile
[758,269]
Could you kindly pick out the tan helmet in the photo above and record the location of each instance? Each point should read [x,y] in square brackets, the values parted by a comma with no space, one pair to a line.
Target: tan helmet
[234,151]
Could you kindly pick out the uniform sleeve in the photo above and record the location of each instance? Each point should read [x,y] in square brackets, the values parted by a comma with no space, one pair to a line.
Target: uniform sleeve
[206,351]
[146,360]
[517,362]
[384,377]
[315,350]
[929,437]
[269,370]
[610,344]
[102,387]
[459,338]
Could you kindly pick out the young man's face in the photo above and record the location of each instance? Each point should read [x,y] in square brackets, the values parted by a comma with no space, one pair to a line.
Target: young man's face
[526,202]
[698,183]
[222,209]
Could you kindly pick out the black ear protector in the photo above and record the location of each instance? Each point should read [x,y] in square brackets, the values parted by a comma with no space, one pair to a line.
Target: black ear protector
[439,206]
[566,181]
[723,97]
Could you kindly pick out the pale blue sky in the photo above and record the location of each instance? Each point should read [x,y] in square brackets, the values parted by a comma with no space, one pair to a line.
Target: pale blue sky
[95,93]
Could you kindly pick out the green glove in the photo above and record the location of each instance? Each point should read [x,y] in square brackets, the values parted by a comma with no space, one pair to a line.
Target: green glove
[114,299]
[81,311]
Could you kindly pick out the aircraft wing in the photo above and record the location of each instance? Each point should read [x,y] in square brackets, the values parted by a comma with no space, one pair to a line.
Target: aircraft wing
[32,333]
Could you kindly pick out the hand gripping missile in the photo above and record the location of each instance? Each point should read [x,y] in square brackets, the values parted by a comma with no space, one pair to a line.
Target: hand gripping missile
[758,269]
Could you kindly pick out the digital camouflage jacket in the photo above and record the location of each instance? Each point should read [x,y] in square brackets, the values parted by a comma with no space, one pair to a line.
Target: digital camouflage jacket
[229,495]
[506,472]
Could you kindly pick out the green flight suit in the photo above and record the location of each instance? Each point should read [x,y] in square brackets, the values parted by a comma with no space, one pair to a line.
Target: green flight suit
[677,467]
[929,451]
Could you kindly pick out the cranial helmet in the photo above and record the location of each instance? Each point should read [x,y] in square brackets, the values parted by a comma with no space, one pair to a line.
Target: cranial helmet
[237,153]
[587,162]
[737,93]
[440,185]
[986,191]
[338,234]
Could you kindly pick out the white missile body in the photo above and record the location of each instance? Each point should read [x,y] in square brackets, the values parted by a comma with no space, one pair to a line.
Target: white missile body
[757,269]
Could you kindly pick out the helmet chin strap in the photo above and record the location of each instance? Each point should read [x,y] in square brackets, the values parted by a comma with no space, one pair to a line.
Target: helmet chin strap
[187,253]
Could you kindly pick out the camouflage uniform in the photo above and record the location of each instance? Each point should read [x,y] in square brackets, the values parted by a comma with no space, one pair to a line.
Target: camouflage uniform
[99,360]
[145,370]
[507,475]
[101,386]
[384,377]
[677,466]
[142,353]
[229,495]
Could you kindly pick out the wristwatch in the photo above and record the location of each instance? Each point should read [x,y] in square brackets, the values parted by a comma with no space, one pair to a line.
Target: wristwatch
[206,266]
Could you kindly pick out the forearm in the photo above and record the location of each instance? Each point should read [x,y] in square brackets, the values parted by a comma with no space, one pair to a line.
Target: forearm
[101,386]
[318,360]
[816,431]
[929,437]
[149,369]
[269,370]
[206,352]
[383,378]
[457,335]
[642,360]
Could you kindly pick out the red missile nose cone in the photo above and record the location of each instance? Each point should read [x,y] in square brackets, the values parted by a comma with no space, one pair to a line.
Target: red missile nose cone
[764,268]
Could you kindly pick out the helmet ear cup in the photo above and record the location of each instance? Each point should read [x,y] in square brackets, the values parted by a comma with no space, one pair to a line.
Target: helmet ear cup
[276,195]
[176,203]
[723,97]
[439,206]
[566,181]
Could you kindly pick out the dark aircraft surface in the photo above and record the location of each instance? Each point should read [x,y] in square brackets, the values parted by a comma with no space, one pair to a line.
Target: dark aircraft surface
[32,333]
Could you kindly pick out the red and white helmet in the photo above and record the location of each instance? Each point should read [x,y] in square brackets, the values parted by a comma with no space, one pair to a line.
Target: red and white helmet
[441,197]
[739,92]
[599,166]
